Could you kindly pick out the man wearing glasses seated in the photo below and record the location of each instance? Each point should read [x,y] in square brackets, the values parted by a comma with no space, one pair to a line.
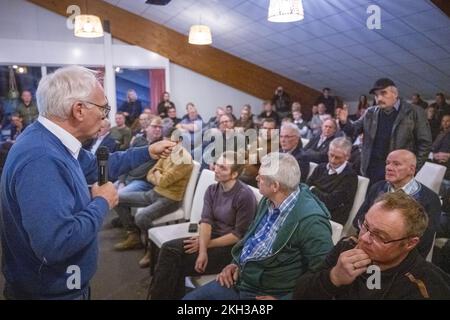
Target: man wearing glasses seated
[383,262]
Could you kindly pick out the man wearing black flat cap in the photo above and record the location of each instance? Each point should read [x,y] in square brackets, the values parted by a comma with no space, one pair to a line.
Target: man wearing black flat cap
[390,125]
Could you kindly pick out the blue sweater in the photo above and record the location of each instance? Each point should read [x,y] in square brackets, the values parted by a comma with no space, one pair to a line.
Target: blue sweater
[49,220]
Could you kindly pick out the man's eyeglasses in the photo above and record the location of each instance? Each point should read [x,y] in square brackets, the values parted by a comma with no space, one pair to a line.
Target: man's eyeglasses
[105,108]
[363,226]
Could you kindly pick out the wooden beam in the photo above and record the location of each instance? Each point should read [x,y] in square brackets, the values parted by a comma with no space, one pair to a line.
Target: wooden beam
[444,5]
[206,60]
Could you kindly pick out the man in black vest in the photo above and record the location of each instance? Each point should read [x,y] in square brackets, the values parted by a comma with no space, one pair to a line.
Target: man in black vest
[390,125]
[335,182]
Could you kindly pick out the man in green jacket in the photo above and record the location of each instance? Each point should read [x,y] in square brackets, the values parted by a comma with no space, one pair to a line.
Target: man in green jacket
[291,234]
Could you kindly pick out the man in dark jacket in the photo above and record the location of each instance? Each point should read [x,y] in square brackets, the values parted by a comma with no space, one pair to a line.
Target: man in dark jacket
[282,102]
[392,124]
[335,182]
[290,142]
[383,262]
[400,169]
[317,148]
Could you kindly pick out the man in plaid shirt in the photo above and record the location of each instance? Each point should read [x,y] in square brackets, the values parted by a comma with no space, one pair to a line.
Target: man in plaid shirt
[291,234]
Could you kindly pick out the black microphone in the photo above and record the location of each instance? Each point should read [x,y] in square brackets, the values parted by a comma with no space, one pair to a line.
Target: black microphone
[102,163]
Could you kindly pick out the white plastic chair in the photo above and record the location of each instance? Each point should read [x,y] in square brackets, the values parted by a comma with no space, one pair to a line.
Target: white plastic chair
[430,253]
[304,142]
[336,231]
[184,212]
[360,196]
[312,167]
[159,235]
[431,175]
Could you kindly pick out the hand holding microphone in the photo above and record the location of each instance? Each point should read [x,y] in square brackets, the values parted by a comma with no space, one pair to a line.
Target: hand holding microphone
[104,188]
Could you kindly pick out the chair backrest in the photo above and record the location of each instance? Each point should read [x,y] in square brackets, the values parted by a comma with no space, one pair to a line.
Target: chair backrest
[189,193]
[304,142]
[336,231]
[207,178]
[429,257]
[257,194]
[431,175]
[312,166]
[360,196]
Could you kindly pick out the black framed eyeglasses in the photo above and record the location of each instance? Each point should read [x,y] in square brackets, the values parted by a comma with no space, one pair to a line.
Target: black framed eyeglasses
[105,108]
[363,227]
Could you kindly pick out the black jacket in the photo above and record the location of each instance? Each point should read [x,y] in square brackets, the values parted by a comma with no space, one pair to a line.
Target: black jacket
[337,193]
[317,154]
[413,278]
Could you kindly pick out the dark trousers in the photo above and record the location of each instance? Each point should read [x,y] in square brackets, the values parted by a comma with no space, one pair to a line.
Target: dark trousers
[11,293]
[174,265]
[376,171]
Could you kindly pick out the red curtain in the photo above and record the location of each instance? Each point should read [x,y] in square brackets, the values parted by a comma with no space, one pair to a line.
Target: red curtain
[157,79]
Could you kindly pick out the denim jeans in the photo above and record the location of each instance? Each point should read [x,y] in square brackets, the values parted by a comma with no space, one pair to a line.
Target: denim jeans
[214,291]
[153,207]
[136,185]
[174,265]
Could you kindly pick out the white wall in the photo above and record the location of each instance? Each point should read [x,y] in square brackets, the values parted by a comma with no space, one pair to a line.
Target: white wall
[206,94]
[42,37]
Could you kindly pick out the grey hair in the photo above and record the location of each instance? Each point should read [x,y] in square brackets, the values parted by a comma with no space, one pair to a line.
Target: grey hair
[58,91]
[343,144]
[281,168]
[291,126]
[394,90]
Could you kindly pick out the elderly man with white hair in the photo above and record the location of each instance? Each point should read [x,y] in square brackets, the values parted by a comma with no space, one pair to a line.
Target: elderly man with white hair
[335,182]
[290,142]
[49,218]
[290,235]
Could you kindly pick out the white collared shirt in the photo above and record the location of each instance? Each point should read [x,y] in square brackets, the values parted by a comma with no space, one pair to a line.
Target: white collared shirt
[68,140]
[338,170]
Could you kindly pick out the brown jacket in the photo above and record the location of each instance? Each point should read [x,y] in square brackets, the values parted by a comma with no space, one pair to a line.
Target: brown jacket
[174,177]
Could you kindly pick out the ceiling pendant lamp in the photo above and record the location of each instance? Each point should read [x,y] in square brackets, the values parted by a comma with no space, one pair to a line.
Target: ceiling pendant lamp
[285,11]
[88,26]
[200,35]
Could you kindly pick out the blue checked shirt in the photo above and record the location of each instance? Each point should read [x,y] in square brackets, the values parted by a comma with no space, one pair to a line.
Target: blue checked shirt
[259,245]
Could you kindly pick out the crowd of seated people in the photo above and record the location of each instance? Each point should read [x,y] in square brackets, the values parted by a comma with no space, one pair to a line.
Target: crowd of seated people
[282,246]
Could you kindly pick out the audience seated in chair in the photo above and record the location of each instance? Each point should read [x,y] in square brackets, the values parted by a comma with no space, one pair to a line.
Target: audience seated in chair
[400,170]
[229,208]
[291,234]
[132,108]
[441,146]
[317,148]
[258,149]
[170,177]
[335,182]
[121,133]
[136,179]
[290,142]
[103,139]
[384,253]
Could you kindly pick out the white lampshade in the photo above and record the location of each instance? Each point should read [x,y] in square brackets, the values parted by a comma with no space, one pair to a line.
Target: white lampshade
[200,35]
[88,26]
[285,11]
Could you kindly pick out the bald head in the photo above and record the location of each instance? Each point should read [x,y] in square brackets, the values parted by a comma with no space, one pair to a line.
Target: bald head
[400,167]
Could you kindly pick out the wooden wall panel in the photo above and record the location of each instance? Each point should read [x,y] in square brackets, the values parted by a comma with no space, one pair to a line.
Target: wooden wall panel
[206,60]
[444,5]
